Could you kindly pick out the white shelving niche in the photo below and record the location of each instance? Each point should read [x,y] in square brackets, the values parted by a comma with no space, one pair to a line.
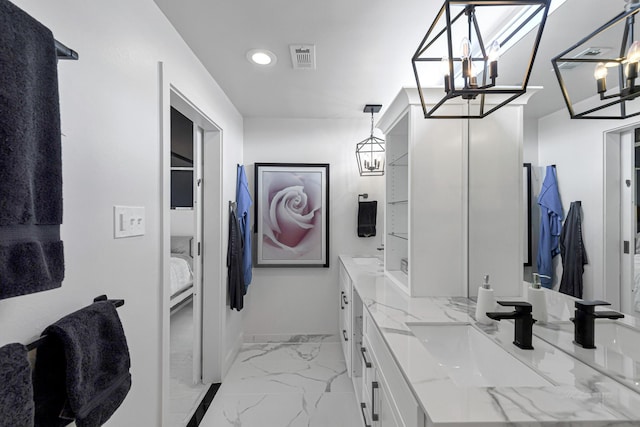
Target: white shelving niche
[397,206]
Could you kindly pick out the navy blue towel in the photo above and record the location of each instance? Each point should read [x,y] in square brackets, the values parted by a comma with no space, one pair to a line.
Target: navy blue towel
[31,253]
[82,368]
[16,389]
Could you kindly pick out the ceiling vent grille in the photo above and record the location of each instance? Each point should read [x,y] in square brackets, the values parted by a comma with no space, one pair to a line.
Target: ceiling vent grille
[303,56]
[591,52]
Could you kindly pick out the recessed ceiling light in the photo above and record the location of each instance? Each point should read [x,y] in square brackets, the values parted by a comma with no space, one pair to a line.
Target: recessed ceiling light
[262,57]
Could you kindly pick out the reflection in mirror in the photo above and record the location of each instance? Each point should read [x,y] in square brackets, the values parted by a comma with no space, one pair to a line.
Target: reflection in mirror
[635,217]
[526,193]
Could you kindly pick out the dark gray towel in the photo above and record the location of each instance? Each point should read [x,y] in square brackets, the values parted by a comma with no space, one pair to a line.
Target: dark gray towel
[82,368]
[235,272]
[16,389]
[30,156]
[367,215]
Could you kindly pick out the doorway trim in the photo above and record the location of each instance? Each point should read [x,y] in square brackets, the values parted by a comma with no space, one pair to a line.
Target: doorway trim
[212,296]
[614,290]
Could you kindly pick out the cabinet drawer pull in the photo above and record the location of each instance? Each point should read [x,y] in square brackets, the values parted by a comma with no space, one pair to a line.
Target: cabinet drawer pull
[344,335]
[363,407]
[344,299]
[341,300]
[366,362]
[374,387]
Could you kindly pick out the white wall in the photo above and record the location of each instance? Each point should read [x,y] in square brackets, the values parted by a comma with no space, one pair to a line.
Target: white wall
[285,301]
[111,155]
[576,147]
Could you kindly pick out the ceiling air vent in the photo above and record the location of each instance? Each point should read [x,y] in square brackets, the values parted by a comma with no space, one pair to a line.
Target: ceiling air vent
[590,52]
[303,56]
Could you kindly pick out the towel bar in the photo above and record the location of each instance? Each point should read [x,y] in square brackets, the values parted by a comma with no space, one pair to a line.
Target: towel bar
[64,52]
[117,302]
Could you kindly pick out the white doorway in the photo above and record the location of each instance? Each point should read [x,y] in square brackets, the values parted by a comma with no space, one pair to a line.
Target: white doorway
[191,231]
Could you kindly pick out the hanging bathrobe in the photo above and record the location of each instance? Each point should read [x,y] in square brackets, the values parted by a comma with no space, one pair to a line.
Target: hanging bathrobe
[243,200]
[574,256]
[235,274]
[550,226]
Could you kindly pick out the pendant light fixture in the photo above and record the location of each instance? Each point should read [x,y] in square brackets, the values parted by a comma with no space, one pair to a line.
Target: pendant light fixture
[370,151]
[464,42]
[615,70]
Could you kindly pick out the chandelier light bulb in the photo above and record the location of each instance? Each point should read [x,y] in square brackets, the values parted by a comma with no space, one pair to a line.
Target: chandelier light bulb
[465,48]
[494,51]
[633,54]
[444,65]
[601,71]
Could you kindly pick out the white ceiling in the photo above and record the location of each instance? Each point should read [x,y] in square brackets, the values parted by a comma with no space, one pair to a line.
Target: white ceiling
[363,50]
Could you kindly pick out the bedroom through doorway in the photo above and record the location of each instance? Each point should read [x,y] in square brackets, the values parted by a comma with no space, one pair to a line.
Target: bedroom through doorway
[192,295]
[186,387]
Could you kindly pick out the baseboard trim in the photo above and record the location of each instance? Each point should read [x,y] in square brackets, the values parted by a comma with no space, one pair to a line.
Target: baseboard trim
[231,355]
[290,338]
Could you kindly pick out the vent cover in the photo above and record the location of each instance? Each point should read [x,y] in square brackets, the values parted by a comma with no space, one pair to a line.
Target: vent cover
[303,56]
[590,52]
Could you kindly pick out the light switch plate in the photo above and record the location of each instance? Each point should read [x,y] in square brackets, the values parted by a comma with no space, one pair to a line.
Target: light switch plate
[128,221]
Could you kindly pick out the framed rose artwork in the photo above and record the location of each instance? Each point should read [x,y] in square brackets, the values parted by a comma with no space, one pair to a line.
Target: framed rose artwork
[292,214]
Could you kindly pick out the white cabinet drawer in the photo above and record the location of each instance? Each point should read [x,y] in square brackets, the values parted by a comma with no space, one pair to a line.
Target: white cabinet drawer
[369,378]
[400,398]
[345,331]
[387,416]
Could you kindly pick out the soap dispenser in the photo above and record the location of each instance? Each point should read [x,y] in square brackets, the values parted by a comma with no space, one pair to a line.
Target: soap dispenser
[486,302]
[536,297]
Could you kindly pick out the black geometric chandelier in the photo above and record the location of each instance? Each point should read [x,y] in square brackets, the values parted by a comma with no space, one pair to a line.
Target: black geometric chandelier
[483,29]
[370,151]
[615,70]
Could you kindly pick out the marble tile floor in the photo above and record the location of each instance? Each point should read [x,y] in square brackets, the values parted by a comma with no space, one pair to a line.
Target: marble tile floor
[291,384]
[184,396]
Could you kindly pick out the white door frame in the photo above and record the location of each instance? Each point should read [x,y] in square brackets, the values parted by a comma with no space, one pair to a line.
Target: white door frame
[211,297]
[618,217]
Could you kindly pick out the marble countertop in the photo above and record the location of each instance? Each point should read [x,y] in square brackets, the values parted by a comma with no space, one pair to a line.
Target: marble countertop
[578,395]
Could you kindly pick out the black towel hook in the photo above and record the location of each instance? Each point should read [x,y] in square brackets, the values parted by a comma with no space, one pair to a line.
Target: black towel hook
[363,195]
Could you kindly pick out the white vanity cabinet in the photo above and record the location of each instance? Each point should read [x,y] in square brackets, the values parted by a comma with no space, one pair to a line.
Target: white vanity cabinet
[387,414]
[344,317]
[376,404]
[387,400]
[453,197]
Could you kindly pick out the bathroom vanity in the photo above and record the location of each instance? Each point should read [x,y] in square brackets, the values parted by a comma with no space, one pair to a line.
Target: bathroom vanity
[424,361]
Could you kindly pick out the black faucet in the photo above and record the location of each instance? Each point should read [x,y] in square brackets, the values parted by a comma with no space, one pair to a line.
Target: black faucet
[584,322]
[524,321]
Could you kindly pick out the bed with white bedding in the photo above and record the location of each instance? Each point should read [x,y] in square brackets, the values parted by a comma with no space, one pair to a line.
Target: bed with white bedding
[181,270]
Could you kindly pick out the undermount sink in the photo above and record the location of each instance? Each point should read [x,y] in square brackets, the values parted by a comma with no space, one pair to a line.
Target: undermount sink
[367,261]
[472,359]
[617,347]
